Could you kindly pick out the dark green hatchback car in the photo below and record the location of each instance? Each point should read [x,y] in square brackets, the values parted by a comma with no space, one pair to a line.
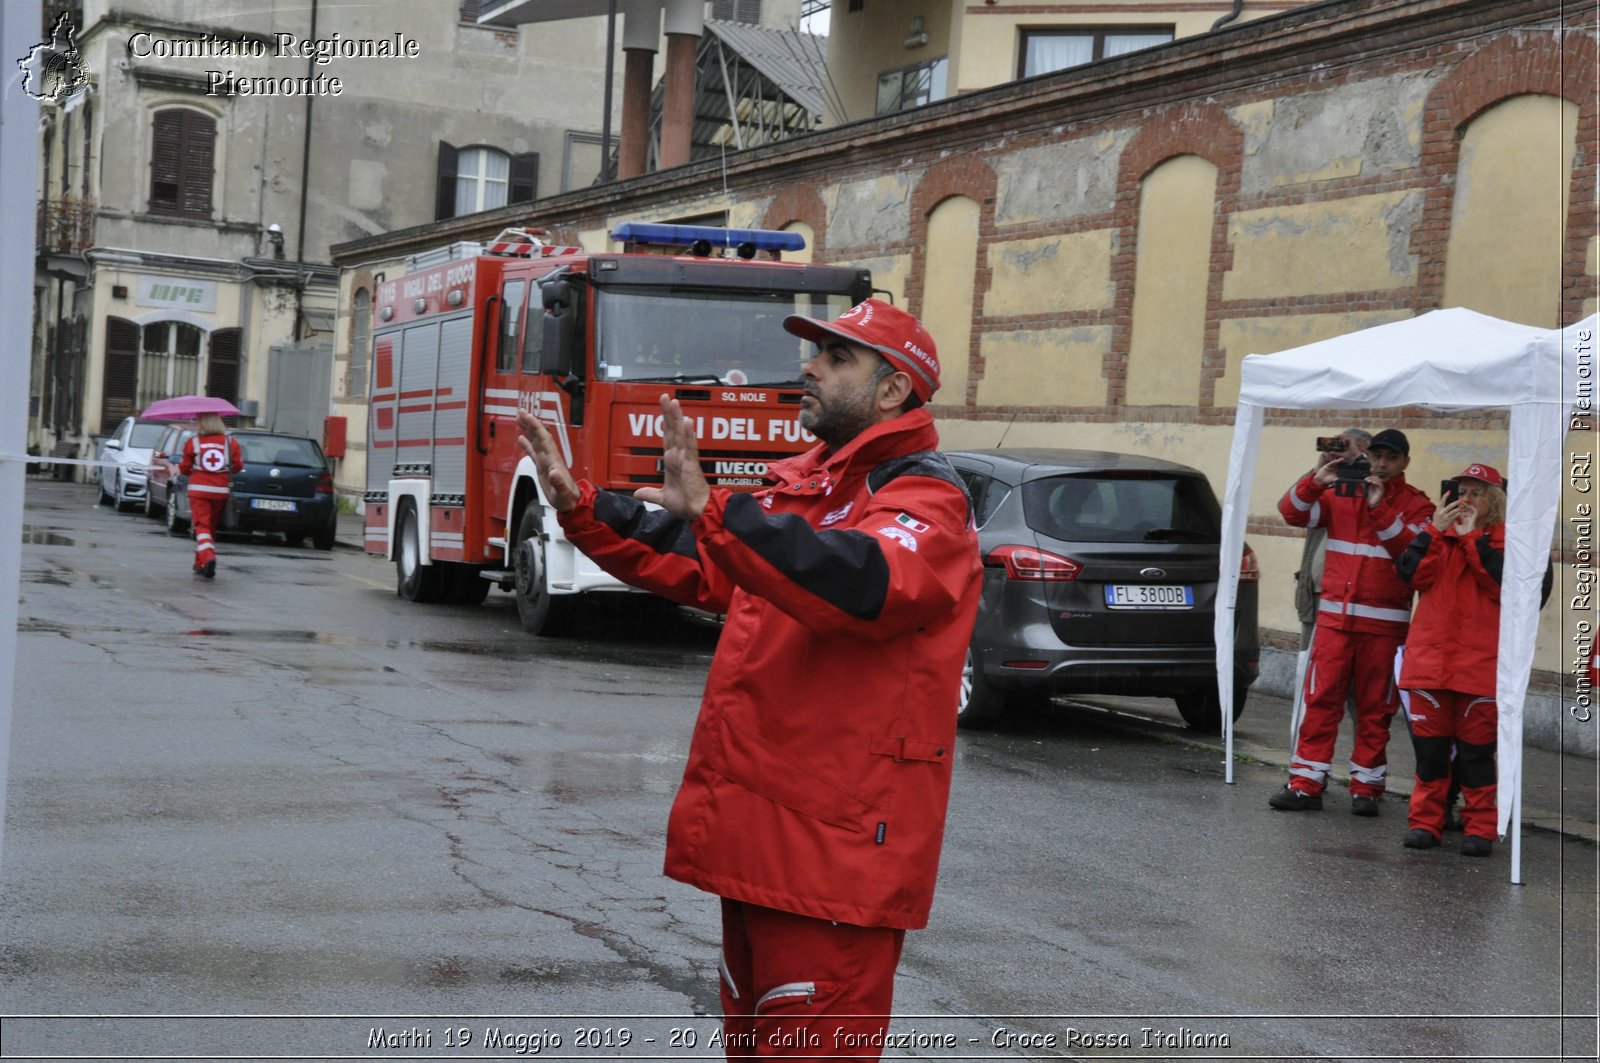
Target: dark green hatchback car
[286,486]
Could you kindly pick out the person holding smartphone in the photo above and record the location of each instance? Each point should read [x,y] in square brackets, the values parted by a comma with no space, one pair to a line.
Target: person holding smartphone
[1447,668]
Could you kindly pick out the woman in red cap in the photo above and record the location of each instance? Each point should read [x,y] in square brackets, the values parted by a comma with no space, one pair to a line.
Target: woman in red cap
[1447,672]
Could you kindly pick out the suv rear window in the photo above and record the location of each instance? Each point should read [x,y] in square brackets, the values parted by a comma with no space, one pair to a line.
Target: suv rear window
[1123,508]
[279,450]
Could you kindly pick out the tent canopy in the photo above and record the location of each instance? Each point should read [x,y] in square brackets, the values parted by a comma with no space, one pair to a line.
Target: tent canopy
[1447,360]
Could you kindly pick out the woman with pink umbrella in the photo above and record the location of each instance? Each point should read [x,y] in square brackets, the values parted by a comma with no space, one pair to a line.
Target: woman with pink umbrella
[210,457]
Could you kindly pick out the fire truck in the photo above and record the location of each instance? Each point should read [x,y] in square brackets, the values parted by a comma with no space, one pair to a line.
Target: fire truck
[588,342]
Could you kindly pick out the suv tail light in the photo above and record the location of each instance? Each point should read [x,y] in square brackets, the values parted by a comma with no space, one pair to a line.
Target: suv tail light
[1249,571]
[1029,563]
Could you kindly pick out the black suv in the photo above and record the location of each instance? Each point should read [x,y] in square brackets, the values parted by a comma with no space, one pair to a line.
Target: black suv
[1100,576]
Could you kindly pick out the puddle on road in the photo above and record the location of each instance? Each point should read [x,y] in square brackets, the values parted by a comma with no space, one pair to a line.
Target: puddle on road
[34,535]
[473,649]
[267,635]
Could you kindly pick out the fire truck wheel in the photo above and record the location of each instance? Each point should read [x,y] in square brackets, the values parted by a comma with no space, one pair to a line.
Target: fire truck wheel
[541,612]
[414,581]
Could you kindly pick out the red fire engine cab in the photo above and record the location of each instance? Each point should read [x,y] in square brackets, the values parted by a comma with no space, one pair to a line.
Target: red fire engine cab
[587,341]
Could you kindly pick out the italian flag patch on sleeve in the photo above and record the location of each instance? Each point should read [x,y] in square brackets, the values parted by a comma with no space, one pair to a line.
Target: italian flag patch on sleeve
[908,521]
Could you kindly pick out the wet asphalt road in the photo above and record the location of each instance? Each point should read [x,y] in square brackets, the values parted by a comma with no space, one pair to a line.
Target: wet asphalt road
[286,810]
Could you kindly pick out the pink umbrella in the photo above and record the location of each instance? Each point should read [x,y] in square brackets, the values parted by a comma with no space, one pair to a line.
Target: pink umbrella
[187,407]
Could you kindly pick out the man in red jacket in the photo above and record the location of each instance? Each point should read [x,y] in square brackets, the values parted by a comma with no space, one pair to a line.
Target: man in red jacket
[1362,618]
[813,802]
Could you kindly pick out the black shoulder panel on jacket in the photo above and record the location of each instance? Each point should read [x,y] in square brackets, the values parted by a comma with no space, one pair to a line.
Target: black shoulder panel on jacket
[655,528]
[845,568]
[929,463]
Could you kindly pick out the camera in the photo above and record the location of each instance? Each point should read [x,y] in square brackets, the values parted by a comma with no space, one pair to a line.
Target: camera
[1331,444]
[1351,477]
[1450,489]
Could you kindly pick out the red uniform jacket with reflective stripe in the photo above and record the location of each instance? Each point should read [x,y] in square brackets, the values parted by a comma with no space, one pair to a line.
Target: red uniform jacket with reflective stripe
[208,462]
[1360,589]
[1455,638]
[819,770]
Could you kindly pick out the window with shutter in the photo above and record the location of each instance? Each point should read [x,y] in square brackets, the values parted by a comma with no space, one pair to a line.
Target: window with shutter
[524,178]
[222,365]
[182,163]
[360,344]
[482,179]
[747,11]
[444,203]
[121,372]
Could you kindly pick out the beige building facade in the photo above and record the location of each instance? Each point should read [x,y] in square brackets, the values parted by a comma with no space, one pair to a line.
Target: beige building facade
[1097,250]
[886,57]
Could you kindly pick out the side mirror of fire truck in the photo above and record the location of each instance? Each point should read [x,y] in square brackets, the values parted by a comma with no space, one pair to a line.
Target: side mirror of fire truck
[561,349]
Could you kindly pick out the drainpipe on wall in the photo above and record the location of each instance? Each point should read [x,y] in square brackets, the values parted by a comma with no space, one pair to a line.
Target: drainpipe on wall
[1238,9]
[305,190]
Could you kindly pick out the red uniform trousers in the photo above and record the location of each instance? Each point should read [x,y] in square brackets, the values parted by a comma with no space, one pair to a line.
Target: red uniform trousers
[1340,661]
[206,510]
[794,987]
[1439,720]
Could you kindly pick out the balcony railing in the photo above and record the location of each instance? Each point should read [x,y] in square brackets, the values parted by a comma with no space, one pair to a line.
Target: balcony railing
[66,223]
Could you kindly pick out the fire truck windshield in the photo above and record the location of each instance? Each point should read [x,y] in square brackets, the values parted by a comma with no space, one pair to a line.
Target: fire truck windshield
[702,336]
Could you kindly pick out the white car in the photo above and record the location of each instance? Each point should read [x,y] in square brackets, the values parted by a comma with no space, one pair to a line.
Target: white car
[127,454]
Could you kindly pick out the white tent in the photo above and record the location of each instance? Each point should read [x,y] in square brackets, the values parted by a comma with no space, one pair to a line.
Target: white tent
[1445,360]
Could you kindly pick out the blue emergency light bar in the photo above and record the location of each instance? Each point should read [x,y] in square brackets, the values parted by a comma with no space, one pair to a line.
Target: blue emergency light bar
[660,234]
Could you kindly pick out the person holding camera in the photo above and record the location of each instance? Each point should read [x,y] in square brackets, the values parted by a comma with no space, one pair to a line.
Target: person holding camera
[1308,578]
[1448,671]
[1371,515]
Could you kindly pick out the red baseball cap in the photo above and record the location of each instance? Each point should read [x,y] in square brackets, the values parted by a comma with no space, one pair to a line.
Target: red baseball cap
[885,328]
[1487,473]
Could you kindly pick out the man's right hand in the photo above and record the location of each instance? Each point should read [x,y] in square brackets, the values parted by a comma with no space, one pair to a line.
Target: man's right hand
[1325,475]
[555,479]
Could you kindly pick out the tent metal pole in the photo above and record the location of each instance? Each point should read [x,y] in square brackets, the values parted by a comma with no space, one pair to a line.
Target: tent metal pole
[1516,833]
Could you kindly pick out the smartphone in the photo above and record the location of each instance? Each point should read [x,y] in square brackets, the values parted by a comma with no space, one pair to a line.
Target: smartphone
[1330,444]
[1450,489]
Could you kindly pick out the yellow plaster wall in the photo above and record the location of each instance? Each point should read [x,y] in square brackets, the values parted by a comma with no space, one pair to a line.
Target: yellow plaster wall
[1173,271]
[1239,337]
[991,43]
[863,44]
[1507,225]
[1050,274]
[889,274]
[1356,243]
[805,253]
[952,260]
[1044,367]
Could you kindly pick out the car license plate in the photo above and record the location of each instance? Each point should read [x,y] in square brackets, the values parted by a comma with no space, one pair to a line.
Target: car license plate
[282,505]
[1149,596]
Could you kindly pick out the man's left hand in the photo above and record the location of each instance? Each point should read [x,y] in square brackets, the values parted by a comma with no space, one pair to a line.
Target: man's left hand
[683,491]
